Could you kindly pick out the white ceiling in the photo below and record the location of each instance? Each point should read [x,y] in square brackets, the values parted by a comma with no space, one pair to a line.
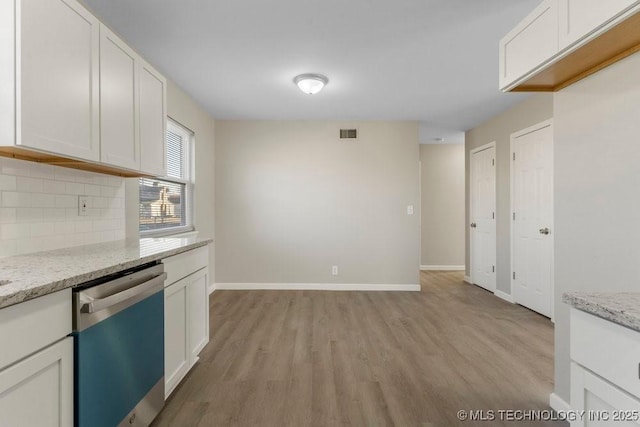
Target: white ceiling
[434,61]
[432,133]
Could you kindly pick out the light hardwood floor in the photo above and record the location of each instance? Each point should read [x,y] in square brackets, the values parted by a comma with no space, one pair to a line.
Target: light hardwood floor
[302,358]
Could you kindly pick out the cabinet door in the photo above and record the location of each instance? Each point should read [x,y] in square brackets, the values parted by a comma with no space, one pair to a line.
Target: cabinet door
[530,44]
[601,401]
[577,18]
[38,391]
[153,120]
[57,78]
[198,313]
[7,73]
[119,143]
[176,334]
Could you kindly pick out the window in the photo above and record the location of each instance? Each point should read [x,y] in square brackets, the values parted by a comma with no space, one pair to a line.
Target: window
[165,202]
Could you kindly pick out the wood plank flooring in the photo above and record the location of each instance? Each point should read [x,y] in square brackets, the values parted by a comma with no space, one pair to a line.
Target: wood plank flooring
[305,358]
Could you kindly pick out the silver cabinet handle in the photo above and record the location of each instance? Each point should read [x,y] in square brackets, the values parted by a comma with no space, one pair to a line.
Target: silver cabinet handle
[545,231]
[473,225]
[102,303]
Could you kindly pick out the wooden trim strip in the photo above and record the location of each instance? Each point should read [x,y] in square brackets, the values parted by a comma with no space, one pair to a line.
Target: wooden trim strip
[613,45]
[49,159]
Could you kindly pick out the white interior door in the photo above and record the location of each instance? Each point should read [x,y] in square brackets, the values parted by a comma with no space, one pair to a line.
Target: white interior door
[532,216]
[483,217]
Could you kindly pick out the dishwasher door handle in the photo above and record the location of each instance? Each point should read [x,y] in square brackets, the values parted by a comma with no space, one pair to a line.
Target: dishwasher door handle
[102,303]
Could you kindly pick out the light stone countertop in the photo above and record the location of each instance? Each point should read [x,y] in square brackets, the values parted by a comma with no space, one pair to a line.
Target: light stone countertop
[622,308]
[41,273]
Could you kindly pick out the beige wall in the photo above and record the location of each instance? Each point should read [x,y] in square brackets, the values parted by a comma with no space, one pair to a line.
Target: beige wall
[597,199]
[184,110]
[534,109]
[292,200]
[442,204]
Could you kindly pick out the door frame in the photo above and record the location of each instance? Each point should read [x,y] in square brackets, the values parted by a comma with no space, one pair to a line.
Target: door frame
[476,150]
[513,137]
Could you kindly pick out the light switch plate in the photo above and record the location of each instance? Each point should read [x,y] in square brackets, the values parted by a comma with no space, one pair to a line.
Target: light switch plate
[410,210]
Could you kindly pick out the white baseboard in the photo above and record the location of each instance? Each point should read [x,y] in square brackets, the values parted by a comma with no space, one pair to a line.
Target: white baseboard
[317,287]
[211,288]
[442,267]
[467,279]
[558,404]
[505,296]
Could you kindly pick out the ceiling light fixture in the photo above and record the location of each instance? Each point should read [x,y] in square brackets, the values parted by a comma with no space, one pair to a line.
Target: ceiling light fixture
[311,83]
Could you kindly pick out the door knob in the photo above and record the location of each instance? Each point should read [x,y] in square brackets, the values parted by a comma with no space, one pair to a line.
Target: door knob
[473,225]
[545,231]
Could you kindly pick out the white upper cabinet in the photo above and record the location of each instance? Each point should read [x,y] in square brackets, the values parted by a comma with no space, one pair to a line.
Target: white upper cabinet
[153,120]
[119,142]
[57,78]
[72,93]
[531,43]
[578,18]
[564,41]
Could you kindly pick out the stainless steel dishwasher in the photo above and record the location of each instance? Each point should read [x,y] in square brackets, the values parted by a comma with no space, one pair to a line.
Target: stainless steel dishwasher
[118,324]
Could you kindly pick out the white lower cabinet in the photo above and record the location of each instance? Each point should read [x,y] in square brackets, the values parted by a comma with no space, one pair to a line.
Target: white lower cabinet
[186,314]
[605,368]
[603,403]
[176,325]
[198,314]
[38,391]
[36,362]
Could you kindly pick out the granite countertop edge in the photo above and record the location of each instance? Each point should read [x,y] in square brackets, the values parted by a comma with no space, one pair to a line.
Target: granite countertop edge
[30,292]
[622,308]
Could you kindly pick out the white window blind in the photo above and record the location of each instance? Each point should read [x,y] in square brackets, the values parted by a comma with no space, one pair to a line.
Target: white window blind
[175,154]
[165,202]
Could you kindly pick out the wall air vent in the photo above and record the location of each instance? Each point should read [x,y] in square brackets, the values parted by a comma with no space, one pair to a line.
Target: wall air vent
[348,133]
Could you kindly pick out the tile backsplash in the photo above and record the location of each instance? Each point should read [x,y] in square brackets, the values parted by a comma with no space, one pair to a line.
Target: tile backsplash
[39,207]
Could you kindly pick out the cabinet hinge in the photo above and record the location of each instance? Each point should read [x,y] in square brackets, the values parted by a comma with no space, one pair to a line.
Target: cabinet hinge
[514,216]
[493,215]
[493,268]
[493,162]
[514,156]
[514,275]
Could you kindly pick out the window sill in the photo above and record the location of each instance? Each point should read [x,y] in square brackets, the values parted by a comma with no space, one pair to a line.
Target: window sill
[174,232]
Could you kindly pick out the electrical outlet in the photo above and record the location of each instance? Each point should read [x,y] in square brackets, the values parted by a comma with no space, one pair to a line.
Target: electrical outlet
[83,205]
[410,210]
[334,270]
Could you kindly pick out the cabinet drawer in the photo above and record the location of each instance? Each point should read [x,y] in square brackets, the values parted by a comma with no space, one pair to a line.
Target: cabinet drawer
[611,351]
[29,326]
[181,265]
